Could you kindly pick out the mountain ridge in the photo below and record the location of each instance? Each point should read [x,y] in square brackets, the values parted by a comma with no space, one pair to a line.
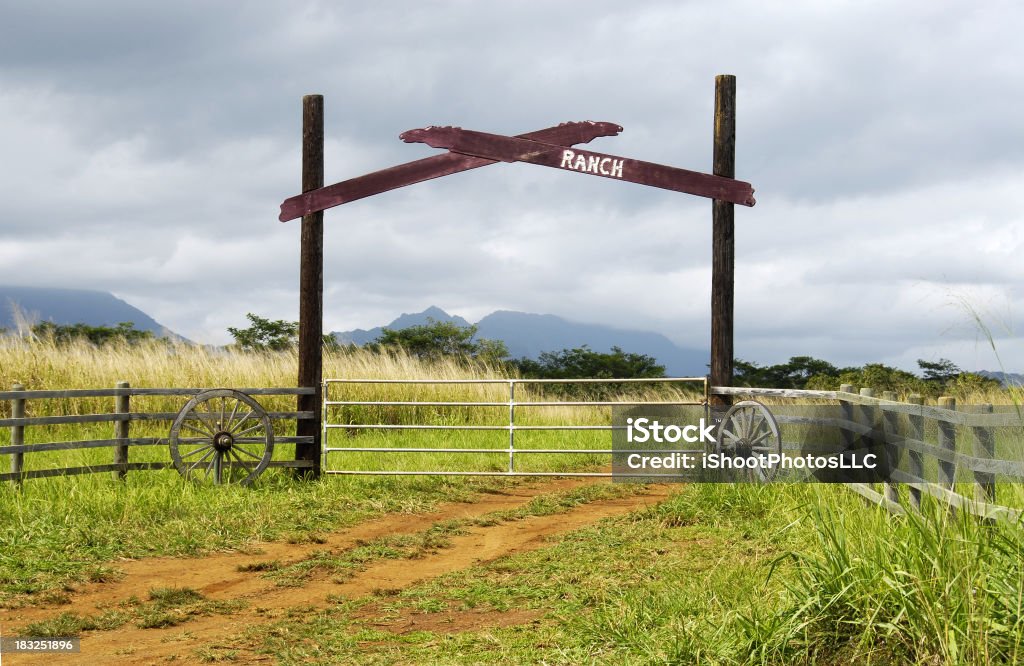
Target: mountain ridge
[528,335]
[65,306]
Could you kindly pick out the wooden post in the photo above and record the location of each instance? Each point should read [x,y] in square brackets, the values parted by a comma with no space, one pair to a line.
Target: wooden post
[311,284]
[916,431]
[846,411]
[17,434]
[947,440]
[866,415]
[723,251]
[121,406]
[984,447]
[890,429]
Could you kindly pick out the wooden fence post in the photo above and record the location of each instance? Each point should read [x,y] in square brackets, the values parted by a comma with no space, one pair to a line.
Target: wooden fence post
[311,287]
[121,406]
[867,412]
[916,431]
[846,411]
[984,447]
[17,434]
[890,428]
[723,241]
[947,441]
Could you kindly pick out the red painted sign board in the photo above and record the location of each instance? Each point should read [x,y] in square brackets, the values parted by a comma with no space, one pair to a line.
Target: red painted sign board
[517,149]
[566,134]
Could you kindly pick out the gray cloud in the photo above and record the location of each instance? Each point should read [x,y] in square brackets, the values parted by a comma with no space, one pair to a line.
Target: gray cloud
[147,147]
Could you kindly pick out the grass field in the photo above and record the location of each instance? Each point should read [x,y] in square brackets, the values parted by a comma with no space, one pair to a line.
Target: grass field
[728,574]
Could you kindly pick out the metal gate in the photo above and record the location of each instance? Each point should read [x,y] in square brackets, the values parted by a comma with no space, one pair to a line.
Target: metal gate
[344,411]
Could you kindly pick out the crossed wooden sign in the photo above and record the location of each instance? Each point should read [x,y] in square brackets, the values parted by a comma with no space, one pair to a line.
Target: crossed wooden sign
[552,147]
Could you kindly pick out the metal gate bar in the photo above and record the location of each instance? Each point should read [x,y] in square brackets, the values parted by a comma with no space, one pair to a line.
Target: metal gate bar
[511,426]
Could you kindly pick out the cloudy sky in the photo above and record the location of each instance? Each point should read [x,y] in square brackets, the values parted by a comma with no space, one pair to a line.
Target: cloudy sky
[147,146]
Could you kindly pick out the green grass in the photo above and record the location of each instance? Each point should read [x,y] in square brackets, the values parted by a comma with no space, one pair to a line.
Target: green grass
[57,532]
[637,589]
[341,566]
[717,574]
[931,586]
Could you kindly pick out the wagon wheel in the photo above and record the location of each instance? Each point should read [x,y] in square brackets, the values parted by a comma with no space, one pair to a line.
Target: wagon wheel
[220,437]
[749,429]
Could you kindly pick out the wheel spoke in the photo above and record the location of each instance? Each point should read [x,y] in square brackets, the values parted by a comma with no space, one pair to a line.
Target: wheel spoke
[204,433]
[232,466]
[760,438]
[242,421]
[236,447]
[740,419]
[211,412]
[244,466]
[205,418]
[729,433]
[751,427]
[231,419]
[200,461]
[756,421]
[195,451]
[250,429]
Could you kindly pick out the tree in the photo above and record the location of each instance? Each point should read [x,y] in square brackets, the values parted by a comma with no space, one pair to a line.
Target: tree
[940,371]
[968,384]
[882,377]
[583,362]
[436,340]
[265,335]
[61,334]
[795,374]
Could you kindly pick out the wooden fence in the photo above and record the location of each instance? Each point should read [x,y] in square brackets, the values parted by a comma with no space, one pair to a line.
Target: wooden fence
[907,427]
[121,417]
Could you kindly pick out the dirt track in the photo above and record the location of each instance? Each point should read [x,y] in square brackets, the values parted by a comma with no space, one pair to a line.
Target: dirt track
[218,577]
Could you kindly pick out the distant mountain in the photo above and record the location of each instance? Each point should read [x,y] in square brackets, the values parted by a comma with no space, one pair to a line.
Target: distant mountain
[361,336]
[73,306]
[530,335]
[1006,378]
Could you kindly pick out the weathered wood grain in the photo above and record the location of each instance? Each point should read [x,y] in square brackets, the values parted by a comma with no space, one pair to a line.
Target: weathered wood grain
[723,238]
[311,283]
[985,449]
[121,406]
[17,431]
[947,440]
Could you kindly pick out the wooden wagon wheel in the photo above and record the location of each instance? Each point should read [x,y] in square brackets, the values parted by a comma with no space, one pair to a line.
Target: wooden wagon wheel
[749,429]
[221,437]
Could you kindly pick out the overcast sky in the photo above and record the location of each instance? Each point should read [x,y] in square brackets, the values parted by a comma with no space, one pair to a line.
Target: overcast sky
[146,148]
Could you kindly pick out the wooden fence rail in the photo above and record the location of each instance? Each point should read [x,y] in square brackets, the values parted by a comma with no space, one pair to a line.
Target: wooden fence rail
[121,418]
[903,426]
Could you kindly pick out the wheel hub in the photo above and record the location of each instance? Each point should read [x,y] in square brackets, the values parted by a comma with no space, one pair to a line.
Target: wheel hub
[223,441]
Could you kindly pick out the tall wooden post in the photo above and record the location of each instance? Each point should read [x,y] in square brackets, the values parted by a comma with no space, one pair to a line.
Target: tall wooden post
[723,252]
[311,284]
[122,405]
[17,435]
[916,432]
